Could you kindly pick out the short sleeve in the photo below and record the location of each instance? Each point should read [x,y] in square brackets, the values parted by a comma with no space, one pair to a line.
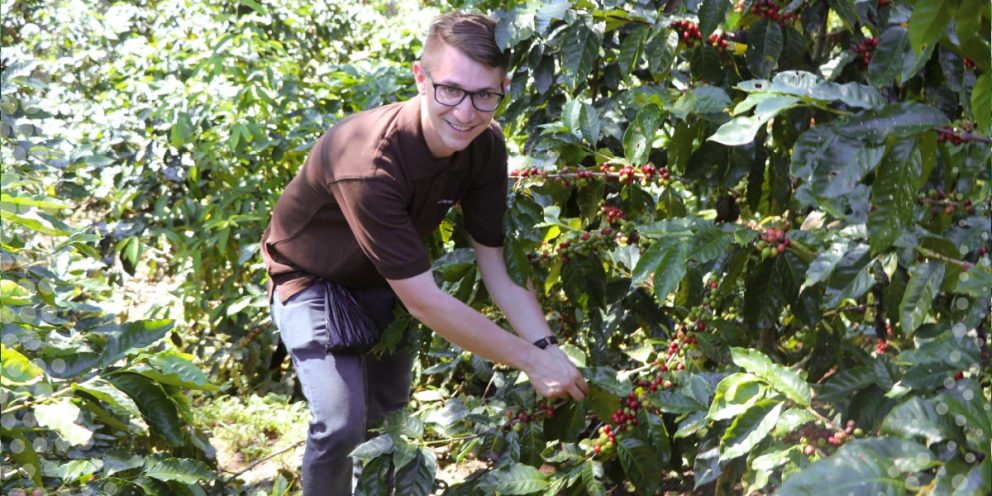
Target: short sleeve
[375,211]
[484,203]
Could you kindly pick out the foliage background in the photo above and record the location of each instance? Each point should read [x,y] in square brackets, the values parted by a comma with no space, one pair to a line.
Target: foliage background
[143,146]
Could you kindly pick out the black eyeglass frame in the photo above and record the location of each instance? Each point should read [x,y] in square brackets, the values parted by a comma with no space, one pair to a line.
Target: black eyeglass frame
[464,94]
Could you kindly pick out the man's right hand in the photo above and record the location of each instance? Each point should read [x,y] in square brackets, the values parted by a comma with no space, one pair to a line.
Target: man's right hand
[554,376]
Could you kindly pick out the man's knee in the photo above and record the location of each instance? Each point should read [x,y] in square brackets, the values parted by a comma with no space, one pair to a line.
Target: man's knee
[334,436]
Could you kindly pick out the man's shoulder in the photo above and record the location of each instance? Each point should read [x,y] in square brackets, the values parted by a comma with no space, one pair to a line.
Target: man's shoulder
[350,148]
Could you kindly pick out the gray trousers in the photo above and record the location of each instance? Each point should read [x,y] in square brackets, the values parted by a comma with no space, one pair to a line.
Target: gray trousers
[345,393]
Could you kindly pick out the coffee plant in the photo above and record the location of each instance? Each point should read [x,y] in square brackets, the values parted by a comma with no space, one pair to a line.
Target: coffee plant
[761,228]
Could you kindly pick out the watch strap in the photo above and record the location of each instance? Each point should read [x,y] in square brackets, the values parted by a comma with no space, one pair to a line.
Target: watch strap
[546,341]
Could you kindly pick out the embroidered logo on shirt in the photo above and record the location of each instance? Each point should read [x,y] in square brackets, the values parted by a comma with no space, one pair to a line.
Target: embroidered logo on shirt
[446,202]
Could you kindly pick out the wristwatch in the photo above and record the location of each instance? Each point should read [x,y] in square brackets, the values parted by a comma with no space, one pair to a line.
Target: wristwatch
[546,341]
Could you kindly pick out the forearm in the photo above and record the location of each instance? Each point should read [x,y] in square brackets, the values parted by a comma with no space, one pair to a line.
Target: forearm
[521,308]
[469,330]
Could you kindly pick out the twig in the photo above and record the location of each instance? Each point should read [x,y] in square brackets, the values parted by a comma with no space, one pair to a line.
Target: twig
[254,464]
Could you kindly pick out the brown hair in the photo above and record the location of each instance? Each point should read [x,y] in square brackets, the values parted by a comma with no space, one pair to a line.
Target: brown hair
[473,34]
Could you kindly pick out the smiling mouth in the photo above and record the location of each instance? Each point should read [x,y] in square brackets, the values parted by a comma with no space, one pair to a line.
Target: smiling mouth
[456,127]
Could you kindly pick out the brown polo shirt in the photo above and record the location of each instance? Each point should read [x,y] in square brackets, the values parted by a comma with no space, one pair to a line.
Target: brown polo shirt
[370,191]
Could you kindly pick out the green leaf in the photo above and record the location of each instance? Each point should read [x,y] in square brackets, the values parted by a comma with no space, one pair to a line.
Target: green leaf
[927,22]
[981,103]
[26,457]
[516,479]
[862,467]
[899,120]
[738,131]
[640,463]
[968,404]
[44,203]
[846,11]
[823,265]
[176,369]
[711,15]
[888,59]
[709,243]
[666,259]
[639,135]
[782,379]
[17,369]
[592,471]
[35,224]
[658,436]
[118,460]
[924,283]
[850,278]
[893,194]
[692,424]
[183,470]
[579,54]
[181,130]
[734,395]
[918,417]
[158,411]
[374,447]
[134,336]
[673,402]
[14,294]
[846,383]
[373,480]
[61,417]
[553,10]
[749,429]
[417,477]
[660,51]
[833,164]
[110,396]
[517,265]
[765,43]
[590,124]
[75,470]
[630,49]
[977,282]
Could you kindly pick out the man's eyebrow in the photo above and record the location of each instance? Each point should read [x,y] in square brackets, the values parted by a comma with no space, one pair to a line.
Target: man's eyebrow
[488,89]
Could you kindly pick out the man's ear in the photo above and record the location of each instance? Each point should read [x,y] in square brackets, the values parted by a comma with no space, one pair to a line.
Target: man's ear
[506,84]
[420,76]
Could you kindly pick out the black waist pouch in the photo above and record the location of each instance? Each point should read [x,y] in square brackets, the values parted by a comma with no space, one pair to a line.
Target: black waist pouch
[349,327]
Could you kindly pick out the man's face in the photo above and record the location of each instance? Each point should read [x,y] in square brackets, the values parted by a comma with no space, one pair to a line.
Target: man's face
[450,129]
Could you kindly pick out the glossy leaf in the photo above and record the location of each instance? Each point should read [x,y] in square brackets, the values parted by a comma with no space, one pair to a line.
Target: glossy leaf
[926,24]
[517,479]
[894,195]
[417,477]
[183,470]
[749,429]
[579,54]
[765,42]
[630,49]
[640,463]
[711,15]
[862,467]
[918,417]
[62,416]
[639,136]
[158,411]
[781,379]
[17,369]
[924,282]
[981,103]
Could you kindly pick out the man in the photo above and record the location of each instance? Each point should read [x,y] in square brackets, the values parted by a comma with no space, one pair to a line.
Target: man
[372,187]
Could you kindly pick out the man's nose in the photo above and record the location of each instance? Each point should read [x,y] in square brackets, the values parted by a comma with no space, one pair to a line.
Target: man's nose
[464,110]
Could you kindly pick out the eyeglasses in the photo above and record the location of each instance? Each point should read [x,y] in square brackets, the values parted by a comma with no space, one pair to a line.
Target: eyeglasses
[482,100]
